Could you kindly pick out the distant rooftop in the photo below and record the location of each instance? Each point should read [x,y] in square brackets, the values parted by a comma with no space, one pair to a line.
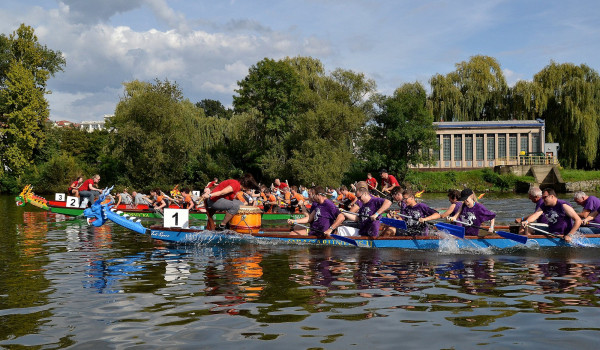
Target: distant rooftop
[494,124]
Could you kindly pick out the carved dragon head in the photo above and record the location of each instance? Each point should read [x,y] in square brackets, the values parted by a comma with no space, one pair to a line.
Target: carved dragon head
[96,214]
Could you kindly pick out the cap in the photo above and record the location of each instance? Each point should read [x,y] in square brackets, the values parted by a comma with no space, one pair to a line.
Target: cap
[464,194]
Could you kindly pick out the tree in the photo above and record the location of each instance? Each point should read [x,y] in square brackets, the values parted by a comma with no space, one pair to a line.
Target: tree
[214,108]
[25,67]
[400,130]
[570,105]
[476,90]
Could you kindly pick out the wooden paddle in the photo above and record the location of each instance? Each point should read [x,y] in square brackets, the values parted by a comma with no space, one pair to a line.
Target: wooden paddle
[341,238]
[507,235]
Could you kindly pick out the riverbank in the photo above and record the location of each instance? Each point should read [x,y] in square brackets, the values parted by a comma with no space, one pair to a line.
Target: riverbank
[486,180]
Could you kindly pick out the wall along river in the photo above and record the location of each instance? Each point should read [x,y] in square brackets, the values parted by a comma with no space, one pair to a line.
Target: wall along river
[66,285]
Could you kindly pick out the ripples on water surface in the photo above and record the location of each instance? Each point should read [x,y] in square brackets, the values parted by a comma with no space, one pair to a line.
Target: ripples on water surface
[63,284]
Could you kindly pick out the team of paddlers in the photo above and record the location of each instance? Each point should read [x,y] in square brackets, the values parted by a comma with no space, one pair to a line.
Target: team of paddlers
[356,211]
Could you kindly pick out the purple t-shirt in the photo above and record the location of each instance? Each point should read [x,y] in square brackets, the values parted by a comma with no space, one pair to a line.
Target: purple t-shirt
[558,220]
[475,216]
[542,219]
[420,210]
[592,204]
[457,207]
[368,227]
[325,215]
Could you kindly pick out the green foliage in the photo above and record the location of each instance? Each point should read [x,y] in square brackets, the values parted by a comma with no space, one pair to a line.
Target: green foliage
[476,90]
[214,108]
[25,66]
[480,180]
[400,130]
[58,172]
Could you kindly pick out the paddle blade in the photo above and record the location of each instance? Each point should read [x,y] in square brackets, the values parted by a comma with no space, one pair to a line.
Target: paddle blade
[345,239]
[394,223]
[454,230]
[512,236]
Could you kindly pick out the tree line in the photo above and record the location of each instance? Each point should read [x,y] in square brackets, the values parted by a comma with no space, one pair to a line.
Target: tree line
[290,119]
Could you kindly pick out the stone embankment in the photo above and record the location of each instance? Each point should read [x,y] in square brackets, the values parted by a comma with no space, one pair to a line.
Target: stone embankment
[585,186]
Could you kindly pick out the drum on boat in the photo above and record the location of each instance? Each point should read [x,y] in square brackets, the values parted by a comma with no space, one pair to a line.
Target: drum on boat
[247,220]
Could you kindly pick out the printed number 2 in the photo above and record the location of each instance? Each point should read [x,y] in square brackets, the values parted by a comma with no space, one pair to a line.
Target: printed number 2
[176,217]
[73,202]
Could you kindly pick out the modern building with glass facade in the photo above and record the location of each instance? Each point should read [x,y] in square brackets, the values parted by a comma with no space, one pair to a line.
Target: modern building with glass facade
[488,144]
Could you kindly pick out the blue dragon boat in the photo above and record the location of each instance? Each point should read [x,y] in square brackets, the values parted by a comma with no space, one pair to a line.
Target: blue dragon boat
[99,214]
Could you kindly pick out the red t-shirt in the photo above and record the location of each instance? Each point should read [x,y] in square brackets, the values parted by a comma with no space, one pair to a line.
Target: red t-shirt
[85,186]
[282,185]
[230,196]
[390,181]
[372,182]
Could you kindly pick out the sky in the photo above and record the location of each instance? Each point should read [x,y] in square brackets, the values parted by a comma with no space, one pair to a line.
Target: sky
[206,47]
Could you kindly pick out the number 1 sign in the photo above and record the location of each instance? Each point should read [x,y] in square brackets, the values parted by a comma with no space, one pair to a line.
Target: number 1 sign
[176,218]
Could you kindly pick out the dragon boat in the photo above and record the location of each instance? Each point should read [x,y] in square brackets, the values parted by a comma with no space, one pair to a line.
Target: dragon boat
[27,196]
[445,237]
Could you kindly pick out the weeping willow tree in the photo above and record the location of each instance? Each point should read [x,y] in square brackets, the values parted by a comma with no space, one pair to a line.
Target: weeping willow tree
[158,135]
[570,105]
[476,90]
[524,101]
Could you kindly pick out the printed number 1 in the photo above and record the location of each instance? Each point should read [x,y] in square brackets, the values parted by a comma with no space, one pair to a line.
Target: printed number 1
[176,217]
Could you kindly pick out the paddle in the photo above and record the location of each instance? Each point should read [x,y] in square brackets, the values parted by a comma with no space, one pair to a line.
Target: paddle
[507,235]
[593,224]
[387,221]
[545,232]
[454,230]
[341,238]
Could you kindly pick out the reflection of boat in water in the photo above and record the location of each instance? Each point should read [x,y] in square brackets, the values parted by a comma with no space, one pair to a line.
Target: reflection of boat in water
[141,211]
[99,213]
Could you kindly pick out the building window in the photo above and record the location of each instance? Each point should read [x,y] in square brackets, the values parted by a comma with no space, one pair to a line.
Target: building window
[468,147]
[479,147]
[512,145]
[491,152]
[502,146]
[447,147]
[436,151]
[524,143]
[535,143]
[457,147]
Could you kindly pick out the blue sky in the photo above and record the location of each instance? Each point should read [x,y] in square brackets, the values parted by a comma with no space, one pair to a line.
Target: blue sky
[207,46]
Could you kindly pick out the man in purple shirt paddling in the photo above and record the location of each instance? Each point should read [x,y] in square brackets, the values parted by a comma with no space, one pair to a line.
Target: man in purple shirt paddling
[590,205]
[370,210]
[562,218]
[323,215]
[535,196]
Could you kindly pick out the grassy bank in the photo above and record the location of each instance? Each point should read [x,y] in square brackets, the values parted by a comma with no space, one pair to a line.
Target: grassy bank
[482,180]
[573,175]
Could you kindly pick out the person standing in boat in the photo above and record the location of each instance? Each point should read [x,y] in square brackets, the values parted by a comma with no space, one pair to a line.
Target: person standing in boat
[367,216]
[455,204]
[88,191]
[222,198]
[562,218]
[324,217]
[590,204]
[73,189]
[472,213]
[388,182]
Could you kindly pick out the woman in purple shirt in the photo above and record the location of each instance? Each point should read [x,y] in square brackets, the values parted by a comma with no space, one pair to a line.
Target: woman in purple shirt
[472,213]
[455,204]
[415,214]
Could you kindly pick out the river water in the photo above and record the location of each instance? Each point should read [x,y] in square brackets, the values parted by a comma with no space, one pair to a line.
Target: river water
[66,285]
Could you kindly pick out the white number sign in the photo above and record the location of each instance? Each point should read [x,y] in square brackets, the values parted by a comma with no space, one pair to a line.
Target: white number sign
[196,193]
[60,197]
[176,218]
[72,202]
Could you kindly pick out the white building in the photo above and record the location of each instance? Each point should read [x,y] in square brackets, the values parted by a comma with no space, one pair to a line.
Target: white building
[94,125]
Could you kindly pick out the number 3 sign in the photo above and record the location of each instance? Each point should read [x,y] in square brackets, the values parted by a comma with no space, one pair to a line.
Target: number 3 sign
[176,218]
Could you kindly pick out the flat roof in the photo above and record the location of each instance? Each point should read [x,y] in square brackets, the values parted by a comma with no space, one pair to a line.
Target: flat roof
[492,124]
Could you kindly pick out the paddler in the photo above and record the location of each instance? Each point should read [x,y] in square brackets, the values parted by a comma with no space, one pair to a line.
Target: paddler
[562,218]
[73,189]
[369,212]
[388,182]
[418,213]
[371,182]
[187,202]
[296,200]
[590,204]
[455,204]
[324,217]
[222,198]
[347,198]
[472,213]
[535,196]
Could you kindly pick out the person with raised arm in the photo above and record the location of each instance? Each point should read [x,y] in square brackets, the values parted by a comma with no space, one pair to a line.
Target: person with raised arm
[562,218]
